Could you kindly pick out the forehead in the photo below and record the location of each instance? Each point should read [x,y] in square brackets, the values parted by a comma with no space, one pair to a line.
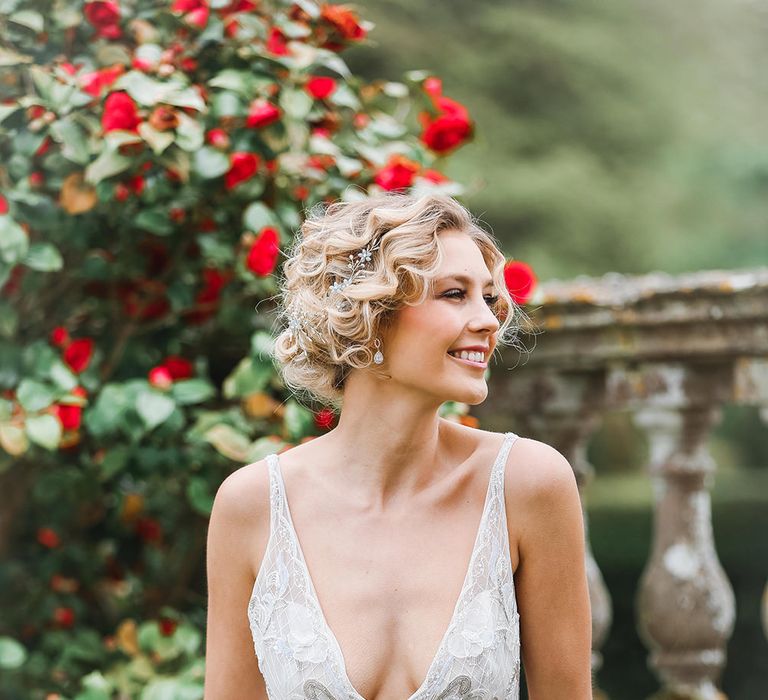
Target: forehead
[462,258]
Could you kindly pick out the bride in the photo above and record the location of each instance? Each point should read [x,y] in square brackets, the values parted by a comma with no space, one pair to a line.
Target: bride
[401,555]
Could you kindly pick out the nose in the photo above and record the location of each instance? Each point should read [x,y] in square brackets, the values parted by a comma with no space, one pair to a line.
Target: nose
[483,318]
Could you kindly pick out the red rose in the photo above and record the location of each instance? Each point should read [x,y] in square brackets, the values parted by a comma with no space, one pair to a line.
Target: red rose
[148,529]
[243,166]
[48,537]
[433,86]
[95,82]
[121,192]
[69,416]
[36,179]
[218,138]
[449,129]
[214,280]
[195,11]
[120,113]
[520,280]
[59,336]
[136,184]
[433,175]
[167,626]
[344,21]
[180,367]
[324,418]
[104,15]
[64,617]
[44,147]
[160,377]
[320,87]
[3,205]
[78,354]
[262,257]
[276,42]
[262,113]
[397,173]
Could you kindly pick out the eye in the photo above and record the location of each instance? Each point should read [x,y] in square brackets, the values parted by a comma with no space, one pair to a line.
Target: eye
[460,294]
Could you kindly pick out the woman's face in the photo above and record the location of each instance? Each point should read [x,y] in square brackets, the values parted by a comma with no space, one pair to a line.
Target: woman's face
[455,315]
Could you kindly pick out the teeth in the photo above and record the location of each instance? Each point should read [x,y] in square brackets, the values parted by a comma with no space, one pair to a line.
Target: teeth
[469,355]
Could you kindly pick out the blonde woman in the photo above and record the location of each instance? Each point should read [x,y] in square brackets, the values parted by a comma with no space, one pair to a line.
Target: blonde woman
[400,556]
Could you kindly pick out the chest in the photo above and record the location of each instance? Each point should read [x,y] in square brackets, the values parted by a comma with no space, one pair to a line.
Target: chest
[388,589]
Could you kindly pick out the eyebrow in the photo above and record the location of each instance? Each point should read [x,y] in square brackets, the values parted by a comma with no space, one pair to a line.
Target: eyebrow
[466,280]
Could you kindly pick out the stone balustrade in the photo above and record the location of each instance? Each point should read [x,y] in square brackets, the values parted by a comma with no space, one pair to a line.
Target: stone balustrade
[671,350]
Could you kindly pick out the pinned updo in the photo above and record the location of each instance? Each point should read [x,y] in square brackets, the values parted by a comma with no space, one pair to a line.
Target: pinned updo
[406,227]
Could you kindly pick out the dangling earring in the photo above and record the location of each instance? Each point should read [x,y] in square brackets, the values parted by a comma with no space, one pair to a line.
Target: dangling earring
[378,358]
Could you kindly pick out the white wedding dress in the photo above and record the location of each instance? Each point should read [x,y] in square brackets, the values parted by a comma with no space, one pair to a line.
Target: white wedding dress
[300,658]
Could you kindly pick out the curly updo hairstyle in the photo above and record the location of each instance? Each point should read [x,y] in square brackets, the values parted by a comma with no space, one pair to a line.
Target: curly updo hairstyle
[316,360]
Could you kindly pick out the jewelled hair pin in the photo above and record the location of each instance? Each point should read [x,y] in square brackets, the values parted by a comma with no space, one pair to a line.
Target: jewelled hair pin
[298,320]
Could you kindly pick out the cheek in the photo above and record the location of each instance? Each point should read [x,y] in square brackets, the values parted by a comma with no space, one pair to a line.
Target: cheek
[424,332]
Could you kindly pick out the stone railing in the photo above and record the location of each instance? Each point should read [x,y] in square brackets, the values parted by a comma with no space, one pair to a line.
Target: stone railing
[672,350]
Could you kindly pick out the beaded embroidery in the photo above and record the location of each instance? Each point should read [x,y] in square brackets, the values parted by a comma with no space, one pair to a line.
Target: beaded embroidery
[300,658]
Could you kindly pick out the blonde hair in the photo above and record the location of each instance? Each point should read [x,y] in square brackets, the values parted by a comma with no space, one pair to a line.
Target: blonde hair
[406,227]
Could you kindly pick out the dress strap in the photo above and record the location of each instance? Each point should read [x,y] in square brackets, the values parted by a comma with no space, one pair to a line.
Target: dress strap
[275,492]
[509,439]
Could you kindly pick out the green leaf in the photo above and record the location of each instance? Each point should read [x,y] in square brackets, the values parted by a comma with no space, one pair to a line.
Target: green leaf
[13,241]
[11,58]
[158,140]
[43,82]
[44,257]
[12,654]
[231,79]
[189,133]
[298,420]
[149,92]
[210,163]
[199,495]
[62,376]
[262,345]
[109,163]
[13,439]
[188,391]
[153,407]
[44,430]
[164,688]
[108,413]
[115,461]
[296,103]
[343,96]
[34,396]
[73,142]
[257,216]
[154,220]
[227,104]
[28,18]
[246,378]
[228,441]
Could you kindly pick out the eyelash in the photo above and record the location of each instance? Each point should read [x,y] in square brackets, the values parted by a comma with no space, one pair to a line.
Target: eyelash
[490,300]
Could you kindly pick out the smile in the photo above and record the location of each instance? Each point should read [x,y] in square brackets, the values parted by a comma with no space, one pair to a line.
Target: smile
[471,363]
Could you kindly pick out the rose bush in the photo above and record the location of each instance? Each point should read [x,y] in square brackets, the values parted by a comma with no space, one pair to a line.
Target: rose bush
[154,160]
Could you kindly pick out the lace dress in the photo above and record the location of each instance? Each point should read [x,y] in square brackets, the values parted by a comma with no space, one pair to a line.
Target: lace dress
[300,658]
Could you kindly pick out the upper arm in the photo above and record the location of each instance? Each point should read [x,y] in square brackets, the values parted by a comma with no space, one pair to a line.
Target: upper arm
[551,581]
[239,521]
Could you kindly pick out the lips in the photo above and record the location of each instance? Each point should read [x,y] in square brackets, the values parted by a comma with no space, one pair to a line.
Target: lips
[469,363]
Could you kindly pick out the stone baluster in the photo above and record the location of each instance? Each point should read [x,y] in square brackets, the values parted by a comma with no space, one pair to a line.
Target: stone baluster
[563,410]
[685,603]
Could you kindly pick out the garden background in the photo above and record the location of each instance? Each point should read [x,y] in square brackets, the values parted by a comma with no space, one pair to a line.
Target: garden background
[155,159]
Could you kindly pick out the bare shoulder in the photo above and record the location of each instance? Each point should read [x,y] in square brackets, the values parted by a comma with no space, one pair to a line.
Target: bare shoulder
[242,508]
[539,490]
[536,470]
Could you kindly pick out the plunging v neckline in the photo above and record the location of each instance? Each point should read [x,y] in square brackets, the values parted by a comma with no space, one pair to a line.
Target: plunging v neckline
[443,641]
